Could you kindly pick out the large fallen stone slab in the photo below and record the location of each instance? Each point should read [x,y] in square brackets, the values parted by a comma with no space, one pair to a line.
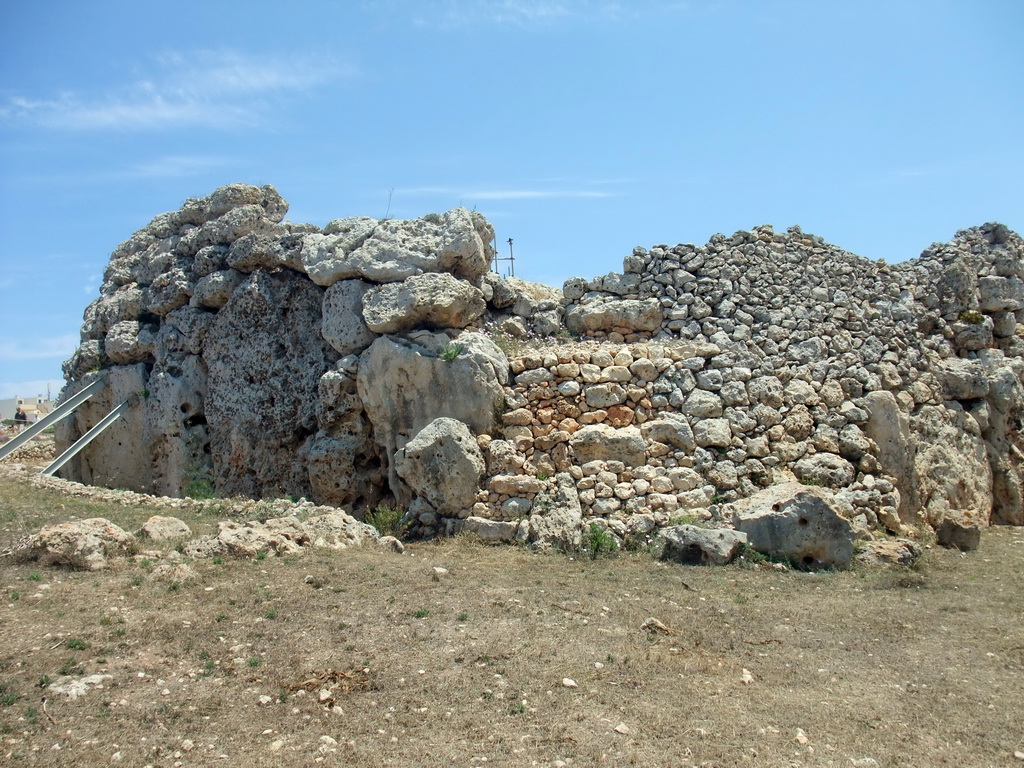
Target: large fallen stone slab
[691,545]
[798,523]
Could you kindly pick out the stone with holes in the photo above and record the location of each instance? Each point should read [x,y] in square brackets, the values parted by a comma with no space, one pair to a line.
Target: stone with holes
[690,545]
[797,522]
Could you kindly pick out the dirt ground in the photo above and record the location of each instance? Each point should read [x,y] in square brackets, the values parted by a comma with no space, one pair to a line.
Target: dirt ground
[367,658]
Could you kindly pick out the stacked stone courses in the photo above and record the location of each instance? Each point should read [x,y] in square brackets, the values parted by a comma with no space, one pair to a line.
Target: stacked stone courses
[379,360]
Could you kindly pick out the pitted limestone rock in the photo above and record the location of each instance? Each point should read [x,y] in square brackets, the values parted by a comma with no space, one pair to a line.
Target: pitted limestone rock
[443,464]
[797,522]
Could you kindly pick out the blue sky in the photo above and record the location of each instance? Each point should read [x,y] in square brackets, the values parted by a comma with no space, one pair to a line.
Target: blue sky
[580,128]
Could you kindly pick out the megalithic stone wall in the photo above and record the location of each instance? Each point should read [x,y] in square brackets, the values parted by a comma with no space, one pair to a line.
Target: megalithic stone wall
[270,359]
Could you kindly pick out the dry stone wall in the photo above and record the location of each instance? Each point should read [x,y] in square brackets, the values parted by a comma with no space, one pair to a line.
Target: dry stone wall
[373,361]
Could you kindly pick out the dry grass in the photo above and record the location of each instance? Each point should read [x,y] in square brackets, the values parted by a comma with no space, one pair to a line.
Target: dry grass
[365,659]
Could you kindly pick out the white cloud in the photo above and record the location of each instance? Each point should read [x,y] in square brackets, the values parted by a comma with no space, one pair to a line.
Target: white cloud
[212,89]
[53,347]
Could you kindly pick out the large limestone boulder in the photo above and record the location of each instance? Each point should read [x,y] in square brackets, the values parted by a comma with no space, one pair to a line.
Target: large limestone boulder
[889,428]
[423,386]
[343,325]
[951,467]
[606,314]
[433,300]
[493,531]
[338,530]
[443,464]
[265,357]
[128,342]
[163,528]
[797,522]
[556,517]
[176,433]
[601,442]
[83,544]
[384,251]
[691,545]
[825,469]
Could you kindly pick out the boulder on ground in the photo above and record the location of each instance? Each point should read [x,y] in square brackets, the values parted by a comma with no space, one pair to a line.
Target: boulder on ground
[278,536]
[83,544]
[797,522]
[556,518]
[338,530]
[161,528]
[443,464]
[901,552]
[489,530]
[691,545]
[958,534]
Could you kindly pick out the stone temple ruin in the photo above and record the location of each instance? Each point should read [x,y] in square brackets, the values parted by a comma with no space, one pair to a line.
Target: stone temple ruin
[380,360]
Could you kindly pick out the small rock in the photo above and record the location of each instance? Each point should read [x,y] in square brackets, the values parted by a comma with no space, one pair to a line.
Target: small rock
[568,682]
[622,728]
[746,678]
[653,625]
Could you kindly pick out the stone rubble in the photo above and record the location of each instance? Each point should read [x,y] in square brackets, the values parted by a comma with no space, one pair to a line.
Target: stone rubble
[263,358]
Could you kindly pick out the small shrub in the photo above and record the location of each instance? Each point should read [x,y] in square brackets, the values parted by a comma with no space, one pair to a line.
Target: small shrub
[422,613]
[972,316]
[35,576]
[77,644]
[451,351]
[462,616]
[270,614]
[386,519]
[599,541]
[254,661]
[200,488]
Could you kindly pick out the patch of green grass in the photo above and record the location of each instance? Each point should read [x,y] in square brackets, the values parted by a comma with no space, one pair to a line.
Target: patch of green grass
[599,541]
[386,519]
[422,613]
[462,616]
[255,661]
[77,644]
[451,351]
[15,594]
[261,555]
[270,614]
[200,488]
[35,576]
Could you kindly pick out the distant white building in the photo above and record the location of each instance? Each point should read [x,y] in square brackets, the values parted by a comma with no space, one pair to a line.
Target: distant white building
[35,407]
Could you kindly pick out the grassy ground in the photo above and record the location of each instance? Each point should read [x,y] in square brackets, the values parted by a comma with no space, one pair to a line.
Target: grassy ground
[362,658]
